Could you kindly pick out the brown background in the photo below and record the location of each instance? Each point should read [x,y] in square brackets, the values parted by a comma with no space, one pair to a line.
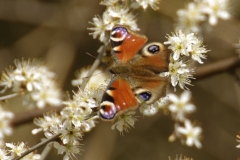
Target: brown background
[56,31]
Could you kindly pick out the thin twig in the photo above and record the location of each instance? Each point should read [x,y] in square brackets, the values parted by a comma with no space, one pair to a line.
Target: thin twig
[46,150]
[92,69]
[9,96]
[37,146]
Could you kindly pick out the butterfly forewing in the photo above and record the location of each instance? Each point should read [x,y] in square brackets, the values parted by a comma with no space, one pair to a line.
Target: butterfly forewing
[125,43]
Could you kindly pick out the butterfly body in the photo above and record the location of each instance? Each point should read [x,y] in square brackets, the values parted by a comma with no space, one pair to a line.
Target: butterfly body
[135,75]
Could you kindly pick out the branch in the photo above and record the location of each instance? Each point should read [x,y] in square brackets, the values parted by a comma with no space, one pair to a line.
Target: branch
[25,117]
[53,138]
[207,70]
[226,64]
[94,66]
[9,96]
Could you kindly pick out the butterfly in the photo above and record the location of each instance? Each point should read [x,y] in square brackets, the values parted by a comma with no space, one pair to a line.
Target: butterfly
[135,75]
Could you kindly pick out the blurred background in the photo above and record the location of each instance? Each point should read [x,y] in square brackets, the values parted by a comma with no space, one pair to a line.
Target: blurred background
[56,31]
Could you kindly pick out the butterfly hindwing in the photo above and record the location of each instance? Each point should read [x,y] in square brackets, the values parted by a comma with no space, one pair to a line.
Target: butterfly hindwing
[117,98]
[149,89]
[125,43]
[154,57]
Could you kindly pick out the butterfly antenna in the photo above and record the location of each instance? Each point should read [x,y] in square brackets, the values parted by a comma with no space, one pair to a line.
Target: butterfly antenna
[96,58]
[94,74]
[91,55]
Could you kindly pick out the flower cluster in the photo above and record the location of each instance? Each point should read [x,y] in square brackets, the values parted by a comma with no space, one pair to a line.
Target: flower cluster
[191,18]
[118,12]
[98,78]
[179,108]
[185,49]
[237,46]
[238,140]
[11,151]
[125,122]
[5,119]
[77,117]
[145,3]
[152,109]
[33,80]
[181,157]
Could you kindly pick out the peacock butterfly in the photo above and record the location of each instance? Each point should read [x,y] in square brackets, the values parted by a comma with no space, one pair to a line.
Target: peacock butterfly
[136,75]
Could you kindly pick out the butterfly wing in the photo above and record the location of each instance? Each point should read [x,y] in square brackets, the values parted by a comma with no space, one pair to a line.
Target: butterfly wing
[118,98]
[150,88]
[154,57]
[125,43]
[139,77]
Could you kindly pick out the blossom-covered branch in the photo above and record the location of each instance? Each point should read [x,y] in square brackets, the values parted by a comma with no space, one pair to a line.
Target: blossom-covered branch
[29,150]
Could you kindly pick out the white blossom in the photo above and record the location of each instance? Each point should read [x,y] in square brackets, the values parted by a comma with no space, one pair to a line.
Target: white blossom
[125,122]
[69,132]
[4,154]
[69,149]
[102,25]
[189,19]
[216,9]
[5,122]
[153,3]
[192,134]
[152,109]
[116,13]
[16,150]
[180,73]
[180,106]
[33,80]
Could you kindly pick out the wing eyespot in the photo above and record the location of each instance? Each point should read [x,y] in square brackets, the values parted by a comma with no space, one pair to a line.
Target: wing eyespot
[145,95]
[154,49]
